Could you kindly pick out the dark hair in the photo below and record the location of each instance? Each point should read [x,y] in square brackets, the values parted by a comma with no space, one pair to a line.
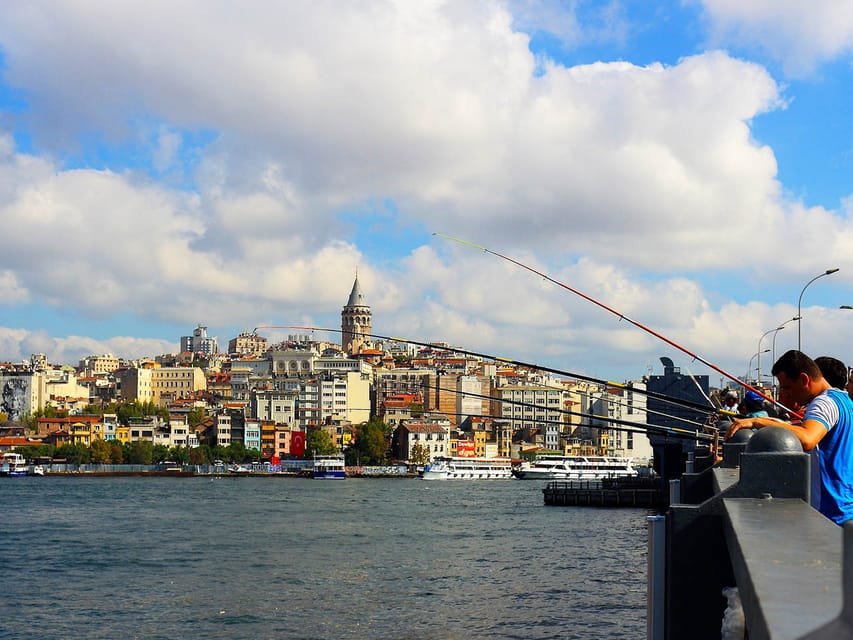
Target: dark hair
[833,370]
[793,363]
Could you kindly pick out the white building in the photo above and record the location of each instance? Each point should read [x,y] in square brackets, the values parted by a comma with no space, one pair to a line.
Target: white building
[199,342]
[274,406]
[435,437]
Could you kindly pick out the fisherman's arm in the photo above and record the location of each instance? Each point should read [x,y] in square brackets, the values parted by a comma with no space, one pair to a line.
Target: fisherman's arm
[754,423]
[809,432]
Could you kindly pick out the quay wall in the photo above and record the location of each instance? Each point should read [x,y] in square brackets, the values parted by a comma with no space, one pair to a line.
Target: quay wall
[746,523]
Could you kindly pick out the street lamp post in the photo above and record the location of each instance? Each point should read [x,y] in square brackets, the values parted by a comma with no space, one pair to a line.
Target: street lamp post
[758,365]
[749,366]
[773,353]
[799,305]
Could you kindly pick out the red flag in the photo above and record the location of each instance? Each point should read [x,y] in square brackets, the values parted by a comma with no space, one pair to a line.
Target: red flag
[275,460]
[297,443]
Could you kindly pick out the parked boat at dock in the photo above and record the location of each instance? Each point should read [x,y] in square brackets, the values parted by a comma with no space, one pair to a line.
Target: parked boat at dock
[13,464]
[575,468]
[329,468]
[459,468]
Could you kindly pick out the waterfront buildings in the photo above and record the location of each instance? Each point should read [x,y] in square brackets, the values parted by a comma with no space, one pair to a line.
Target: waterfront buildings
[268,397]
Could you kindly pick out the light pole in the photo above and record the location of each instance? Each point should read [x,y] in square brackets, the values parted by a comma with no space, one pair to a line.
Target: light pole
[749,366]
[758,365]
[799,305]
[773,354]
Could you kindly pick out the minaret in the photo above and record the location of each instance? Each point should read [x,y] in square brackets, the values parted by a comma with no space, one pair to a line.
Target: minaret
[355,321]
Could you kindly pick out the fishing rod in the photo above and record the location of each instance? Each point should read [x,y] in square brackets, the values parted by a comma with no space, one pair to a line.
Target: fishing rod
[687,404]
[611,400]
[621,316]
[690,435]
[639,427]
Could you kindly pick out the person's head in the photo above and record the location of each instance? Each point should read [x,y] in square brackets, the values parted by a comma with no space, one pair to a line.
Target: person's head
[833,370]
[729,398]
[751,402]
[800,379]
[849,386]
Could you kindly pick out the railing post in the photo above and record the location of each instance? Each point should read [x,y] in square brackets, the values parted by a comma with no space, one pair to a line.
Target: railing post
[656,576]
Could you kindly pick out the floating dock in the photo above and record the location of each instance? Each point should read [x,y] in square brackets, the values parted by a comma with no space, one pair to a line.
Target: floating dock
[622,492]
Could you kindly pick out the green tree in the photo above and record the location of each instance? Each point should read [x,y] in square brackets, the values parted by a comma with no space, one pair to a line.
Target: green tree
[180,455]
[201,455]
[116,452]
[33,451]
[372,440]
[74,453]
[160,453]
[140,452]
[100,452]
[319,443]
[137,409]
[236,452]
[420,454]
[195,417]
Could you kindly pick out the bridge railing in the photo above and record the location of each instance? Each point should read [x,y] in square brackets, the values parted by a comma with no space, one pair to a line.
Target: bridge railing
[747,523]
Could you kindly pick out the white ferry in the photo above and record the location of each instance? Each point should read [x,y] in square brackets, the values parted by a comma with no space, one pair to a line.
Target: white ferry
[468,469]
[13,464]
[575,468]
[329,468]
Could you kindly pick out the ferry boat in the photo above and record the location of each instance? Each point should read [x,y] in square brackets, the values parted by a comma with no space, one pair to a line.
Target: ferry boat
[458,468]
[13,464]
[329,468]
[575,468]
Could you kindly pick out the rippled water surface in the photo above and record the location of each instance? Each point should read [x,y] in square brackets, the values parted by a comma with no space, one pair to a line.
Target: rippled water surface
[291,558]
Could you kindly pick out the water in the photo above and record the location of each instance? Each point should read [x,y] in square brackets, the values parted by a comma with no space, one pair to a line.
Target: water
[291,558]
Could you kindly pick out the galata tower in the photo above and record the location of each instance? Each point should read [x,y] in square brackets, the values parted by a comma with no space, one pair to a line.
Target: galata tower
[355,321]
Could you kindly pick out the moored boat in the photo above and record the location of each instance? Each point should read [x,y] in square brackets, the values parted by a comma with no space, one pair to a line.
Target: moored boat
[461,468]
[329,468]
[575,468]
[13,464]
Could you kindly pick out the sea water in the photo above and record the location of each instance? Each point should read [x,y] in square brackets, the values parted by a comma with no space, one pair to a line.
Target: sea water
[131,557]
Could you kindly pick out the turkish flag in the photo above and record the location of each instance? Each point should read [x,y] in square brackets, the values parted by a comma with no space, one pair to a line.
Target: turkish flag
[297,443]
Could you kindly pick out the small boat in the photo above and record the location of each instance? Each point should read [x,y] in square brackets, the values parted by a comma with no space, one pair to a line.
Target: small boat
[239,469]
[462,468]
[575,468]
[329,468]
[13,464]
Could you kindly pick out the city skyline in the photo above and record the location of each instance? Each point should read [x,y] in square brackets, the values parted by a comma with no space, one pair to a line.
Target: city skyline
[687,164]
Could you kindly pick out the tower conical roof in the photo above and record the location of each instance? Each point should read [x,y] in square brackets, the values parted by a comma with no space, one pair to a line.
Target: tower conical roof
[356,297]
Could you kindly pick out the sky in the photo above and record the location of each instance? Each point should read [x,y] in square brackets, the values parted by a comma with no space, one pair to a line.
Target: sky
[687,164]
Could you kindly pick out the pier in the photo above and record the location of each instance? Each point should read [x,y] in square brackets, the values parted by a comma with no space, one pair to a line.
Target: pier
[618,492]
[746,523]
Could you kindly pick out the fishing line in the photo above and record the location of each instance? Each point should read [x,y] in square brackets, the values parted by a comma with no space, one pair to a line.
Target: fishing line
[642,427]
[621,316]
[689,404]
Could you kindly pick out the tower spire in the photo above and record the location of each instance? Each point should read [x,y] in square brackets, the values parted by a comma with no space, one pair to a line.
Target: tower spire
[355,320]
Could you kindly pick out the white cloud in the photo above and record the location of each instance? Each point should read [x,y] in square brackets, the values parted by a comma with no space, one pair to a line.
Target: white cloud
[799,34]
[611,176]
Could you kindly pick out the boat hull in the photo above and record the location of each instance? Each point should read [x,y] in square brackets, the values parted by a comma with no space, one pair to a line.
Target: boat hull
[329,468]
[576,469]
[468,469]
[329,475]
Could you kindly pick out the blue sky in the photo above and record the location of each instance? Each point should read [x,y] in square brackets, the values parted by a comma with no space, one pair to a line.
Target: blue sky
[686,163]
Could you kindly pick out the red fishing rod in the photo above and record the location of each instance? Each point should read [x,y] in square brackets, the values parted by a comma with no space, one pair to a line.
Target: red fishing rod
[621,316]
